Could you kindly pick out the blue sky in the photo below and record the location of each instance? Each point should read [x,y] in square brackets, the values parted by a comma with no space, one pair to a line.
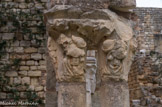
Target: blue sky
[149,3]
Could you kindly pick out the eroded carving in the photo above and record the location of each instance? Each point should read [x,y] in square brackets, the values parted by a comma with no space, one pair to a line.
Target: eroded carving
[72,58]
[115,51]
[91,69]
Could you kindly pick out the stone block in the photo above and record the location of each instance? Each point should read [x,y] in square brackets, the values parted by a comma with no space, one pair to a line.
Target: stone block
[11,74]
[31,87]
[19,1]
[68,96]
[39,88]
[26,80]
[39,6]
[34,73]
[9,49]
[36,56]
[24,68]
[43,1]
[23,57]
[30,62]
[23,5]
[22,63]
[21,88]
[31,50]
[7,36]
[2,95]
[34,29]
[34,82]
[25,43]
[42,67]
[17,80]
[16,43]
[41,50]
[41,94]
[5,57]
[33,68]
[19,49]
[22,73]
[42,62]
[114,94]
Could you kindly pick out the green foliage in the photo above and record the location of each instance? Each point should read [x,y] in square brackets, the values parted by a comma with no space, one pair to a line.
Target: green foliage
[21,20]
[2,51]
[16,63]
[21,24]
[13,66]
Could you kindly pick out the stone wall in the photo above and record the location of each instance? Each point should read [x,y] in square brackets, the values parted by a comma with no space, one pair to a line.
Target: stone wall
[145,75]
[22,51]
[149,23]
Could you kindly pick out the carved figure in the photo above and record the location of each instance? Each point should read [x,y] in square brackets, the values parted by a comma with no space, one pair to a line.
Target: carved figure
[73,58]
[91,69]
[115,51]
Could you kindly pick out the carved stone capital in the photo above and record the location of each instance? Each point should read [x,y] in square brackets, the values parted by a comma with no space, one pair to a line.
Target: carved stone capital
[117,57]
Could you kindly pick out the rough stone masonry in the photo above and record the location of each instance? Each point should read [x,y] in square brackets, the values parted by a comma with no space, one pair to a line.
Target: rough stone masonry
[73,28]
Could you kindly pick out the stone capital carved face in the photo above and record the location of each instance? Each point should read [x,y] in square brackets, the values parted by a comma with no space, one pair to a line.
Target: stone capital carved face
[115,51]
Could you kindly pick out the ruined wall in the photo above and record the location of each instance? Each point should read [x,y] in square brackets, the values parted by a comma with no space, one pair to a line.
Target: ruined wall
[149,23]
[145,75]
[22,51]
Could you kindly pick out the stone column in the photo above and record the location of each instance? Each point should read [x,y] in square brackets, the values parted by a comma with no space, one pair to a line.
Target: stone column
[115,58]
[75,26]
[68,56]
[91,68]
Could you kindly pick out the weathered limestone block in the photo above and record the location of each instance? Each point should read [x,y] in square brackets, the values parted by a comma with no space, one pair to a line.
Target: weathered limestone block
[36,56]
[22,73]
[30,50]
[7,36]
[114,94]
[25,80]
[34,81]
[11,74]
[24,68]
[17,80]
[72,95]
[39,88]
[34,73]
[19,49]
[30,62]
